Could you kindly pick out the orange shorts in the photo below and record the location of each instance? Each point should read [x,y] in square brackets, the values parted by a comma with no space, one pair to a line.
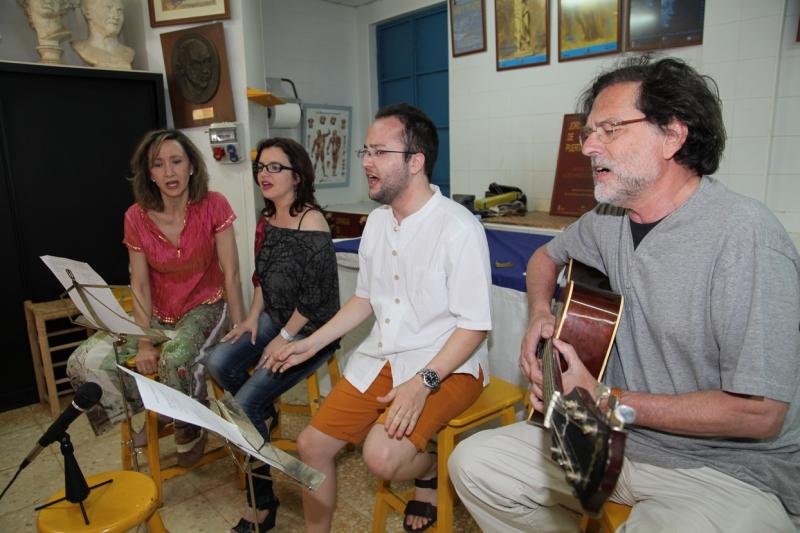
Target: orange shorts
[348,415]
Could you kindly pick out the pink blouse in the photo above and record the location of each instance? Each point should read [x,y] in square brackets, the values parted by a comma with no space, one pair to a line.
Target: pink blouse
[188,275]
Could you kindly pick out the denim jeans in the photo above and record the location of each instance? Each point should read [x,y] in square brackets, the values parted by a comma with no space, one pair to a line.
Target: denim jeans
[230,362]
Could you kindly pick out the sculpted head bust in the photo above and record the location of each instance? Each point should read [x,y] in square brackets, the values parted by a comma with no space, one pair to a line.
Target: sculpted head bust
[102,49]
[45,18]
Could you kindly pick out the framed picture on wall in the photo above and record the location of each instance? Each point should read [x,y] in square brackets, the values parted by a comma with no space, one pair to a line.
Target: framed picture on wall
[467,27]
[171,12]
[653,25]
[588,28]
[198,77]
[522,33]
[326,137]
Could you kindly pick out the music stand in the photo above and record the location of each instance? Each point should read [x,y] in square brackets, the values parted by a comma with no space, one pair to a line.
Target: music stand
[101,311]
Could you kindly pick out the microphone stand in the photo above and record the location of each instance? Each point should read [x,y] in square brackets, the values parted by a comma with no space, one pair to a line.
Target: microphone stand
[76,489]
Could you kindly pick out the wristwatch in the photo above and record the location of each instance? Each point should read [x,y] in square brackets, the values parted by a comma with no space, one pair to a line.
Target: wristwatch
[430,378]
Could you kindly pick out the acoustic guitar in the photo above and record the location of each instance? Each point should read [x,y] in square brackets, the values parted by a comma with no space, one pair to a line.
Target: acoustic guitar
[588,442]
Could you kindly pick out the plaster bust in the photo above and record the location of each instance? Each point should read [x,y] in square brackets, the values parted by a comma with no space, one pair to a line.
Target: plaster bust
[102,49]
[195,64]
[45,18]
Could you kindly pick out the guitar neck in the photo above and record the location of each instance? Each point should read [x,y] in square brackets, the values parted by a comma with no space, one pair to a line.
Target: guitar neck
[551,370]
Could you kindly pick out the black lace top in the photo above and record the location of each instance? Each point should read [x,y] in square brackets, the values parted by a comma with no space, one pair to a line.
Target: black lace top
[297,270]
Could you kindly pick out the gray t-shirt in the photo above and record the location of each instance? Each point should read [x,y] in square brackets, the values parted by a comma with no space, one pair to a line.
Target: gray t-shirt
[712,301]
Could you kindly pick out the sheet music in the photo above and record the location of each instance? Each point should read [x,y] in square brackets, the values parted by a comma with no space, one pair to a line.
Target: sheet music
[174,404]
[104,305]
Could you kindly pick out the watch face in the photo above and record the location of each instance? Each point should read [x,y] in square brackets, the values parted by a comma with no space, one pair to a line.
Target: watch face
[429,378]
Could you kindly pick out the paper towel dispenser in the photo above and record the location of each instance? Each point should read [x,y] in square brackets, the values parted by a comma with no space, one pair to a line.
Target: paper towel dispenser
[286,115]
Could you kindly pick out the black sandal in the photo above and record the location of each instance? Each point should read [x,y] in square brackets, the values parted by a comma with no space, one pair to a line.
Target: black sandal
[421,509]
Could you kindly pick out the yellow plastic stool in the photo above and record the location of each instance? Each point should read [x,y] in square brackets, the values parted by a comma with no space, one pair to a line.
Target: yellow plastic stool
[496,401]
[131,499]
[613,515]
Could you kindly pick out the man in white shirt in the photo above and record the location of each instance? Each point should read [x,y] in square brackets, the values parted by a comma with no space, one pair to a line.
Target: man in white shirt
[424,274]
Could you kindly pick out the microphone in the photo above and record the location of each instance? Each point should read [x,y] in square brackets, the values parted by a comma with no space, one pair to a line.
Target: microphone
[86,396]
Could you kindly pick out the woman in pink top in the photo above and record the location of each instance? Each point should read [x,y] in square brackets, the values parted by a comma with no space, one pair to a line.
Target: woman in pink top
[183,263]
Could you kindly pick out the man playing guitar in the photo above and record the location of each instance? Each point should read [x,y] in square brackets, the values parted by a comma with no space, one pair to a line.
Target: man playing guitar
[707,345]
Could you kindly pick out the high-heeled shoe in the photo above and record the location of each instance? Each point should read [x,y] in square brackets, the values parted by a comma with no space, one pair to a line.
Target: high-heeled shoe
[246,526]
[190,442]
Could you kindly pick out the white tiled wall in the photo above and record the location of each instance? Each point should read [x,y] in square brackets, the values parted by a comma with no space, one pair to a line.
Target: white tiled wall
[504,126]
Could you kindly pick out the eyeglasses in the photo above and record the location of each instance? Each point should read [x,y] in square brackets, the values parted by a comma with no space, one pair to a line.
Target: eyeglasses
[272,168]
[606,130]
[361,153]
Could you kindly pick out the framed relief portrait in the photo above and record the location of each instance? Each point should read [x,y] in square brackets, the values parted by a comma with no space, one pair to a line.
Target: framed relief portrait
[171,12]
[653,24]
[467,27]
[588,28]
[522,33]
[198,78]
[326,137]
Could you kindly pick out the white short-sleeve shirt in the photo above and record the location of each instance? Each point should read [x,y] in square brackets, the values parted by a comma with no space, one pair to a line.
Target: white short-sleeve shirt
[424,278]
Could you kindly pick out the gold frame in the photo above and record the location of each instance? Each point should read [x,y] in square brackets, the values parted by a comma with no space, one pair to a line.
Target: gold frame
[217,10]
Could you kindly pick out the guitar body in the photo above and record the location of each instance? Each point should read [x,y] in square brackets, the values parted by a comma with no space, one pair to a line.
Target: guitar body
[588,320]
[588,443]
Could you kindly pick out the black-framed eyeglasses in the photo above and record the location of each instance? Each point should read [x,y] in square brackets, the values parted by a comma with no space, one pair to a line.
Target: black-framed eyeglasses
[272,168]
[361,153]
[607,130]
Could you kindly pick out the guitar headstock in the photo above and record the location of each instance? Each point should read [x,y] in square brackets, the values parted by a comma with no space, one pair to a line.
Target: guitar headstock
[588,444]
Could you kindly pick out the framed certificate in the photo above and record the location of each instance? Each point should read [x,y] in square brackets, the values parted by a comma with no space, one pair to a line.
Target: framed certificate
[522,33]
[467,27]
[588,28]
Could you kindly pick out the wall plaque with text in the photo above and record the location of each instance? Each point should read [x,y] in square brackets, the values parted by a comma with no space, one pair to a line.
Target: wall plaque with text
[573,188]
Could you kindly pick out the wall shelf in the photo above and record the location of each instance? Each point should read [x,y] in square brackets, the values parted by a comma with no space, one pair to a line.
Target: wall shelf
[263,97]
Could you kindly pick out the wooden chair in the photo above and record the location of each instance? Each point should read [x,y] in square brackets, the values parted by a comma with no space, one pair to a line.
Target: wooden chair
[158,472]
[314,402]
[37,315]
[131,499]
[613,515]
[495,402]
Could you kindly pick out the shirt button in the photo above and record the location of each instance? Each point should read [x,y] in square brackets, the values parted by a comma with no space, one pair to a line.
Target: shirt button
[380,345]
[397,300]
[394,252]
[396,228]
[396,277]
[387,320]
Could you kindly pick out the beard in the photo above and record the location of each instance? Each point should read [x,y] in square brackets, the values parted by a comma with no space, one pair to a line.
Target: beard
[628,183]
[390,189]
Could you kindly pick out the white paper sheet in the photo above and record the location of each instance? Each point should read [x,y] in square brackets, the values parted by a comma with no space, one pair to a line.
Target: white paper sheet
[174,404]
[102,301]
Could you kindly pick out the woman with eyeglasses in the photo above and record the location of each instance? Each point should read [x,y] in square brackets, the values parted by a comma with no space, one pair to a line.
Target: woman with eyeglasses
[184,267]
[296,292]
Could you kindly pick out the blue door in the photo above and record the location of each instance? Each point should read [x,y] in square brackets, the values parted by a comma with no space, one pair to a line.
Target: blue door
[412,67]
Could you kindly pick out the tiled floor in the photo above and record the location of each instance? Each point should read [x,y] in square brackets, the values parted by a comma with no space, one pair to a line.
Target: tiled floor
[206,499]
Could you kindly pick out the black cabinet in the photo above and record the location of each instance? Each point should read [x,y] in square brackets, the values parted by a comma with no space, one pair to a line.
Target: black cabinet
[66,138]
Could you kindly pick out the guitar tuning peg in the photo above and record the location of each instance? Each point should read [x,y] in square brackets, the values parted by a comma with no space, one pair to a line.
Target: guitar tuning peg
[572,477]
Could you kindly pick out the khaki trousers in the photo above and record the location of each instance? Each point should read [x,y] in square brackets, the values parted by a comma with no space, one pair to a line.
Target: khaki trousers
[508,482]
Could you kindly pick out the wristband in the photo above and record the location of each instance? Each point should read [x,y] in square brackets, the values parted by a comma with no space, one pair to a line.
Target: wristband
[286,336]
